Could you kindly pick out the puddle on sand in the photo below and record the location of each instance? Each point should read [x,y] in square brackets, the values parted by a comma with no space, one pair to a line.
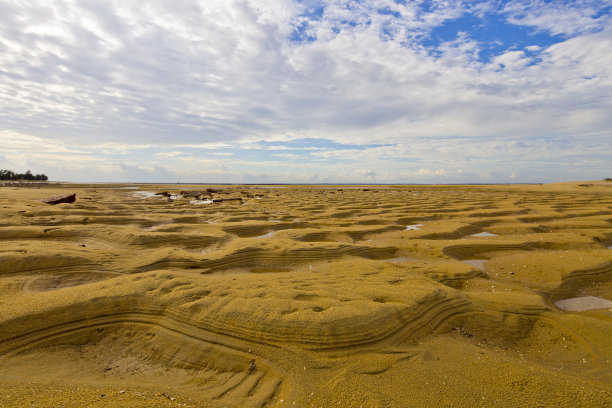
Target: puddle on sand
[395,260]
[143,194]
[201,202]
[579,304]
[476,263]
[483,234]
[268,235]
[414,227]
[155,227]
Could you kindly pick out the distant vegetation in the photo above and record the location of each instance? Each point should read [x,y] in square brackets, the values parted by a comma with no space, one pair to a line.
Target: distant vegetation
[11,175]
[608,179]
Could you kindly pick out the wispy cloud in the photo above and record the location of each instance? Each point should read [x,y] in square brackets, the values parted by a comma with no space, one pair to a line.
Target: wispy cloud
[560,17]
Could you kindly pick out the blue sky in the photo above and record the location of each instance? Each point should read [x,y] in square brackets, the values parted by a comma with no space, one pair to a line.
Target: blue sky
[268,91]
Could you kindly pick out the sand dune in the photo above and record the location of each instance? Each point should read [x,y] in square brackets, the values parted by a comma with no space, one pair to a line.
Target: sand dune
[306,296]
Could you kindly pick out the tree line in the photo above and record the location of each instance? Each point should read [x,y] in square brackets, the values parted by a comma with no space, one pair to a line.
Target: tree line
[28,175]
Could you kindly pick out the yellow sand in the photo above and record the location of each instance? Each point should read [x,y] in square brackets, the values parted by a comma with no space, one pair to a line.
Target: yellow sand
[305,296]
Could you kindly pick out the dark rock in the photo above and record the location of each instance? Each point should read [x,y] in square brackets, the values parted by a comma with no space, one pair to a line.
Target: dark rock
[195,194]
[462,330]
[69,198]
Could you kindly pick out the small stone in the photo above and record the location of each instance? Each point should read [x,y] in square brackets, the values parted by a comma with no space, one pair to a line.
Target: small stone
[122,392]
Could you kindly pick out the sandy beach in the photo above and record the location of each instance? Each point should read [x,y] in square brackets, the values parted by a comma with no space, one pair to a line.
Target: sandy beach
[306,296]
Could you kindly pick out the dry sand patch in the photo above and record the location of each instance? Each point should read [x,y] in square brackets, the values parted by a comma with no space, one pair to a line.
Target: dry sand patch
[305,296]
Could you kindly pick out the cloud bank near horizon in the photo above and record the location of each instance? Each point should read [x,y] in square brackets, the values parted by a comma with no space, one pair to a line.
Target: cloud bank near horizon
[307,91]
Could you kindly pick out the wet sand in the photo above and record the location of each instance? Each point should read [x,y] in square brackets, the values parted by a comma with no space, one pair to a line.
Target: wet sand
[306,296]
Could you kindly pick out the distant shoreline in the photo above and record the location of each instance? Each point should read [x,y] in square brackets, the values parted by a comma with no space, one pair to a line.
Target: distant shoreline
[126,183]
[109,184]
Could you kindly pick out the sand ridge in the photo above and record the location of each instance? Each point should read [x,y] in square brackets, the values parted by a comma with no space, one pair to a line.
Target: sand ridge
[305,296]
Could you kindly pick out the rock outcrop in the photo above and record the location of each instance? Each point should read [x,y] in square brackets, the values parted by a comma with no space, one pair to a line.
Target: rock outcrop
[68,198]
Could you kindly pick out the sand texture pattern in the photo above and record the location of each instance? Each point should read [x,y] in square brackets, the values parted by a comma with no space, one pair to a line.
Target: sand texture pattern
[306,296]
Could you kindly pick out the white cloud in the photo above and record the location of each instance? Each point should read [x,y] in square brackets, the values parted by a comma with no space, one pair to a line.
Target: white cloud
[559,17]
[430,172]
[289,156]
[18,142]
[533,48]
[512,60]
[138,83]
[168,154]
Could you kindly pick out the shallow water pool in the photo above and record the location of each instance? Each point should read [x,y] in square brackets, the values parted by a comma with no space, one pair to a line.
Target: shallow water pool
[483,234]
[476,263]
[580,304]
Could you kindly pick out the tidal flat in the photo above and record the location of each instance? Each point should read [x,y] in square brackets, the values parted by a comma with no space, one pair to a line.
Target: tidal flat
[306,296]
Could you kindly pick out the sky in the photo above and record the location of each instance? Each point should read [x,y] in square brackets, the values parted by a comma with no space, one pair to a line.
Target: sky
[278,91]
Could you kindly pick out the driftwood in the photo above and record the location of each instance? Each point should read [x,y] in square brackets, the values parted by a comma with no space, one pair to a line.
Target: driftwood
[68,198]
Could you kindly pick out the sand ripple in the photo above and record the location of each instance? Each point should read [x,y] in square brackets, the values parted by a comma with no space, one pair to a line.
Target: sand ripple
[307,296]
